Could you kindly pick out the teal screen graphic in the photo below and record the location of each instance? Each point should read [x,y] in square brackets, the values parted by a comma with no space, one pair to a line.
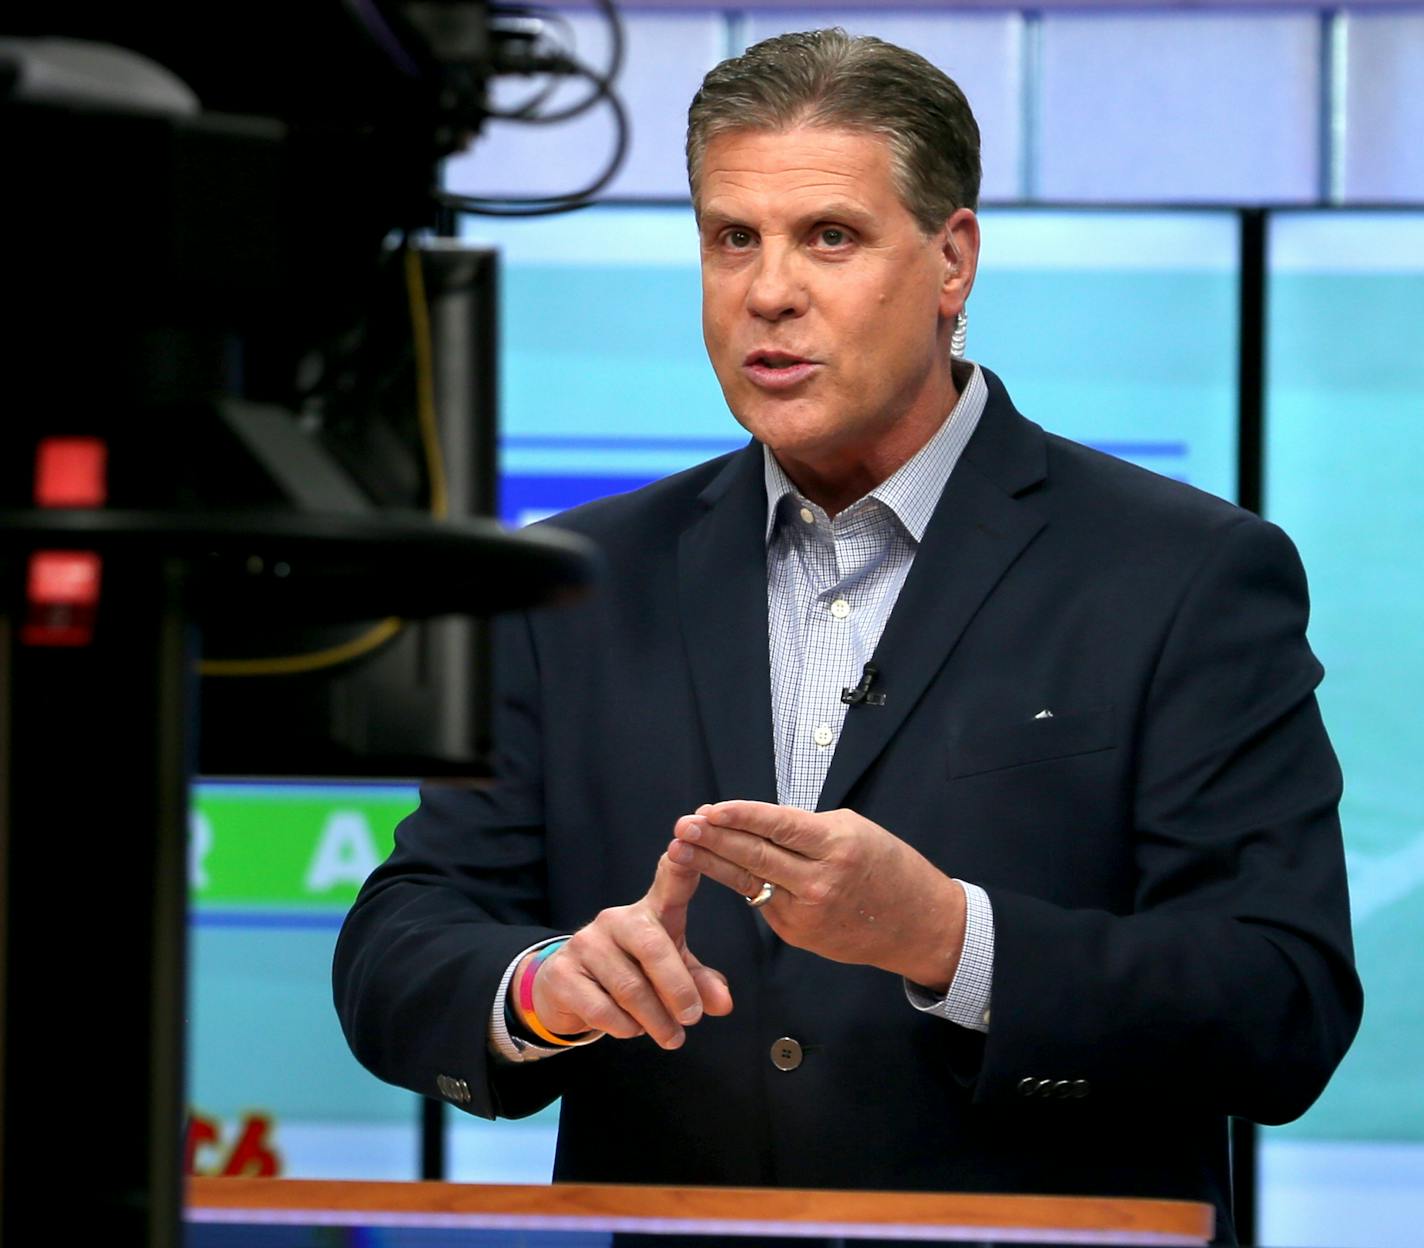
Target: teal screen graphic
[1345,478]
[1118,329]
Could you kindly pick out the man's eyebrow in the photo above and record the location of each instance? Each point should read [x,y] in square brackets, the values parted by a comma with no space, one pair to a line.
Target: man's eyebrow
[710,217]
[838,210]
[834,210]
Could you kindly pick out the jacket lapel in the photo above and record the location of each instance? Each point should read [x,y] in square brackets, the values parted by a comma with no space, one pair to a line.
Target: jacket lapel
[722,599]
[978,530]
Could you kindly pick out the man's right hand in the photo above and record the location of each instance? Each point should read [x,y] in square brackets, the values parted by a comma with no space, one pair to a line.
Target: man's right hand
[630,972]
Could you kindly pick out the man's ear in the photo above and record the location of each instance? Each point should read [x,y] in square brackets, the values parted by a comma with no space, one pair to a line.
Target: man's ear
[959,241]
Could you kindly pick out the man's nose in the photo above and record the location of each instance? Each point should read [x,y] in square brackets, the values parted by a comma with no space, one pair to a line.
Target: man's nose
[777,289]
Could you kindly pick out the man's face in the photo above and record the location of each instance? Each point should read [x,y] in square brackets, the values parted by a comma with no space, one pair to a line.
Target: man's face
[825,308]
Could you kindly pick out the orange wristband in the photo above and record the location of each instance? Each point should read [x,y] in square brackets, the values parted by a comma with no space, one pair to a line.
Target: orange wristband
[524,998]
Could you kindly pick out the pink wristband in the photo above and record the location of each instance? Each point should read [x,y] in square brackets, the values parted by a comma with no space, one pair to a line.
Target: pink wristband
[524,997]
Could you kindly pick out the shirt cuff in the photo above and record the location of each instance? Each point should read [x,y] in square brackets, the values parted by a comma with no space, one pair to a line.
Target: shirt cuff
[967,1001]
[514,1048]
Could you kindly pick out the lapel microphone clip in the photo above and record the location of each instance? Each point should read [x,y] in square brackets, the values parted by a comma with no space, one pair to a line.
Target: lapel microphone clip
[861,693]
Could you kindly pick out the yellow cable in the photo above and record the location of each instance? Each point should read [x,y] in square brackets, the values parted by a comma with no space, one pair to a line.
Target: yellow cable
[313,660]
[380,633]
[425,381]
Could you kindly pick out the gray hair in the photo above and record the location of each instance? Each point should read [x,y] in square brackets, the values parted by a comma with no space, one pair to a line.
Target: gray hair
[832,79]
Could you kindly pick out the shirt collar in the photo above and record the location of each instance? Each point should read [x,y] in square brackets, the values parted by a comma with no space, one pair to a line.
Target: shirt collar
[912,490]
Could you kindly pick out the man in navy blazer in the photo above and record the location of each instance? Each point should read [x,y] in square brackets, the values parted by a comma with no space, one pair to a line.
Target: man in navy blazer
[1055,889]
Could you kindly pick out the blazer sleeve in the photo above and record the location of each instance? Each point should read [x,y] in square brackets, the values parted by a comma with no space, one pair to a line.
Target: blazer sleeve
[422,951]
[1230,985]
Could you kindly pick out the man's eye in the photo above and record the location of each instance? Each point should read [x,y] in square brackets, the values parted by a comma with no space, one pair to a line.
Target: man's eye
[738,238]
[832,236]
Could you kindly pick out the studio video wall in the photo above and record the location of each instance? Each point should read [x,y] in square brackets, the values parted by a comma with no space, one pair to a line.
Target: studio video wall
[1115,328]
[1344,474]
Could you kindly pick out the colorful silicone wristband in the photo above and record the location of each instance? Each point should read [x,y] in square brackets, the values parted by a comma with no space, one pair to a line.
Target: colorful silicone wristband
[524,998]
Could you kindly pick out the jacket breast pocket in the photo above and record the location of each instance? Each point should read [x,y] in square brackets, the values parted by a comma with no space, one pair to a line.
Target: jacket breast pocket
[1031,741]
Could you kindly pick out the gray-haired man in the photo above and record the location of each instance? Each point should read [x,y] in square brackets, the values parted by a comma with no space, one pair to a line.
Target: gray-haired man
[1000,759]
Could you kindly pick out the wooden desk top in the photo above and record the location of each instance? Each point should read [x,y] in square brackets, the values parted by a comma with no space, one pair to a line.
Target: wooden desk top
[709,1210]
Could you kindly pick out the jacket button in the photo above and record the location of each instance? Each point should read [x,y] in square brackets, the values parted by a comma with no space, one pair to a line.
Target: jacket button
[1081,1088]
[1028,1085]
[453,1089]
[786,1053]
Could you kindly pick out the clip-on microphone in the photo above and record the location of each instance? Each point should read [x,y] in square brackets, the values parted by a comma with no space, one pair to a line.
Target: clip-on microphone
[861,693]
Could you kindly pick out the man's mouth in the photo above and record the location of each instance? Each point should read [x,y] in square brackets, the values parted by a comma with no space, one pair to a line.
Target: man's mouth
[777,370]
[775,359]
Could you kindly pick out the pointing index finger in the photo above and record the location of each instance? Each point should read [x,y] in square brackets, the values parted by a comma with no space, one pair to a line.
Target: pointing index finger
[672,889]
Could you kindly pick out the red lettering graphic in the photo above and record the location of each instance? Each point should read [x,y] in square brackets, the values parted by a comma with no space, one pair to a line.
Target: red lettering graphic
[252,1153]
[202,1133]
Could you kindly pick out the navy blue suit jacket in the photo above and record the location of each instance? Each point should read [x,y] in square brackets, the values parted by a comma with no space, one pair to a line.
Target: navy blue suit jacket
[1162,853]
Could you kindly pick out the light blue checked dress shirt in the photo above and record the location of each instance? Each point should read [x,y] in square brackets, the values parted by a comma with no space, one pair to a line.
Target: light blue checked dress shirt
[830,587]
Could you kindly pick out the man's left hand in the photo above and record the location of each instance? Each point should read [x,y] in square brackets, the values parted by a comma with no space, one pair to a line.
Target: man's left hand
[846,888]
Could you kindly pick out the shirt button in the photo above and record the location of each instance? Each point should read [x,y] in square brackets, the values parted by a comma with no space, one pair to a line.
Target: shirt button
[823,734]
[785,1053]
[840,608]
[808,515]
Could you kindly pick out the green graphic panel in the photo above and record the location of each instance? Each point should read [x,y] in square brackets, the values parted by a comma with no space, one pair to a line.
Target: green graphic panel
[290,845]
